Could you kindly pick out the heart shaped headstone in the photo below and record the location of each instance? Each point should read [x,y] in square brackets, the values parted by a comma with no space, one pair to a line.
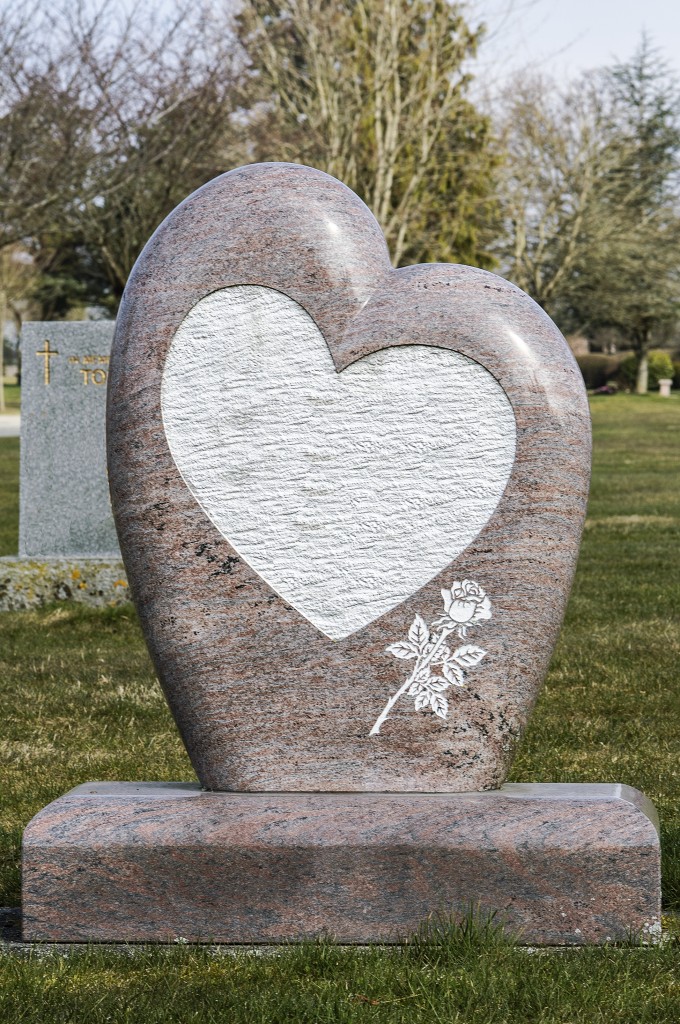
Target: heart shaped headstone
[349,498]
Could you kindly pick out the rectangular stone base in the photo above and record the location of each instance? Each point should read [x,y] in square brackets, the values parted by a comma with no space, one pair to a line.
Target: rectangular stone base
[153,862]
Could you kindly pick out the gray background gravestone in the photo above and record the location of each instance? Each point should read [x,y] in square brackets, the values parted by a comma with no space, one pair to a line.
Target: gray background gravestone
[64,496]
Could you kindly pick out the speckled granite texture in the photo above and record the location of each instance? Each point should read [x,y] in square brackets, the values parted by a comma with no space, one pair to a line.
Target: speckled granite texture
[64,507]
[264,700]
[114,862]
[33,582]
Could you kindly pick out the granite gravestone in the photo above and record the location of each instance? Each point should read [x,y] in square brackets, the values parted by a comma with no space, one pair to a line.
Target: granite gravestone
[350,502]
[65,508]
[68,548]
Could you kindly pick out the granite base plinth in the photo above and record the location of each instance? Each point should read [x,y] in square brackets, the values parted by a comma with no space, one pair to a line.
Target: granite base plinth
[154,862]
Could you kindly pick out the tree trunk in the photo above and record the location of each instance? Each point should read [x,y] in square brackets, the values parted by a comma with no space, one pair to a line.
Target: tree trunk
[641,381]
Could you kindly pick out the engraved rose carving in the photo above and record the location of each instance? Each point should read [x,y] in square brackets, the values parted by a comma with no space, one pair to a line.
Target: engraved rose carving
[465,605]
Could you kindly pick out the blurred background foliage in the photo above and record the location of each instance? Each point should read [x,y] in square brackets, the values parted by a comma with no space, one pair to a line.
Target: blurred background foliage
[108,120]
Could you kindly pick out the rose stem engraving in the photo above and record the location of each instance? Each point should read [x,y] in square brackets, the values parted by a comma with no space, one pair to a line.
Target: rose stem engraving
[465,604]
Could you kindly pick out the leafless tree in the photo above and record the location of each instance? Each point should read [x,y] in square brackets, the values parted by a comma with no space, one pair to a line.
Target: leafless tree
[107,121]
[557,165]
[590,190]
[375,94]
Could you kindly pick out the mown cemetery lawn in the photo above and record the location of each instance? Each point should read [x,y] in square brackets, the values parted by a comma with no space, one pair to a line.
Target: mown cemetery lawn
[80,702]
[12,397]
[9,488]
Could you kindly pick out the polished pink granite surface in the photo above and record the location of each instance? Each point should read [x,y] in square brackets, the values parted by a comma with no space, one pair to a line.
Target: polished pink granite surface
[263,700]
[136,862]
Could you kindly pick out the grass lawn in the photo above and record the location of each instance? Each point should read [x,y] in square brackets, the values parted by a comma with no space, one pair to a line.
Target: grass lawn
[9,493]
[80,702]
[12,397]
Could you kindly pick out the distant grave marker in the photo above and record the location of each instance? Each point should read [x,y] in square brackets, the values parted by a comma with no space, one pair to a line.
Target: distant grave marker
[68,548]
[65,510]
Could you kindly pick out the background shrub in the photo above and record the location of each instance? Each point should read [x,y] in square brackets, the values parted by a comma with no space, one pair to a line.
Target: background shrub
[597,369]
[660,367]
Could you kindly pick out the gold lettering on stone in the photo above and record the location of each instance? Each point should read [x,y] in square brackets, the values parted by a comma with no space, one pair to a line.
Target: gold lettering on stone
[97,376]
[47,354]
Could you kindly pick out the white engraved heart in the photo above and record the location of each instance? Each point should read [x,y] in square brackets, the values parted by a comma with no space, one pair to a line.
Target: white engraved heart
[346,492]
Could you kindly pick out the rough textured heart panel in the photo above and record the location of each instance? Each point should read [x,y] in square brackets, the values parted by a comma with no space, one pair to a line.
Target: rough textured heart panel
[321,480]
[349,498]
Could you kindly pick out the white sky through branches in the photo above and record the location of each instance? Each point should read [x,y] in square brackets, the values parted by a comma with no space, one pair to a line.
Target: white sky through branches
[560,38]
[564,37]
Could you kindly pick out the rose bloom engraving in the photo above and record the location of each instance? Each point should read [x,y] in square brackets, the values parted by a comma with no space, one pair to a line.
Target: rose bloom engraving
[465,605]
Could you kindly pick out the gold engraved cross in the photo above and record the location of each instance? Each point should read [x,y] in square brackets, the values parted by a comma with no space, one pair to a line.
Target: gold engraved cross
[47,354]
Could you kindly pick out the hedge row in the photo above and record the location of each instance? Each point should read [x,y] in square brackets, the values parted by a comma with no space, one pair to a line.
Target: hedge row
[599,369]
